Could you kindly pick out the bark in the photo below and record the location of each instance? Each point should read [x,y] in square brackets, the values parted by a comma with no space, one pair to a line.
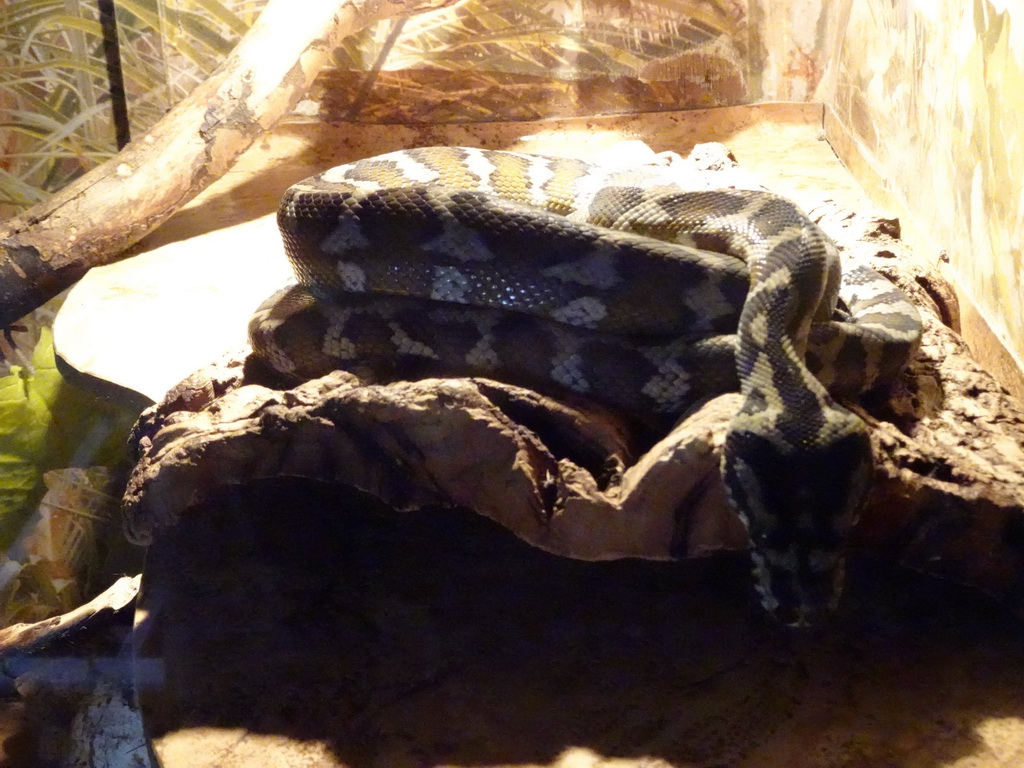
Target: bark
[948,497]
[23,639]
[97,217]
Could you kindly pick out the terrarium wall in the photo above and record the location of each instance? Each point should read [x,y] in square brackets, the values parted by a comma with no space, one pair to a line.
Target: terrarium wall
[483,60]
[486,60]
[931,98]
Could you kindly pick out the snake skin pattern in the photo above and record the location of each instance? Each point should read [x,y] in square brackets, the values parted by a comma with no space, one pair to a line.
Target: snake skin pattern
[618,286]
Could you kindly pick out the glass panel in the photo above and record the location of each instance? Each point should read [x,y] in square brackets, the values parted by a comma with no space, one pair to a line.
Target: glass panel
[54,92]
[53,85]
[487,60]
[170,46]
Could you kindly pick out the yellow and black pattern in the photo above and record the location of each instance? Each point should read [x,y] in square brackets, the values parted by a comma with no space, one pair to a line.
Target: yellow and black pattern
[619,286]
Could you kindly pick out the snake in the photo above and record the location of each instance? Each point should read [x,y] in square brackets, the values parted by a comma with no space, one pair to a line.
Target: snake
[617,285]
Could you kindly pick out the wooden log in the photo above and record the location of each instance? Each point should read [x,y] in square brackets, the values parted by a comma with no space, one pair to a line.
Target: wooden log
[96,218]
[948,495]
[19,640]
[573,479]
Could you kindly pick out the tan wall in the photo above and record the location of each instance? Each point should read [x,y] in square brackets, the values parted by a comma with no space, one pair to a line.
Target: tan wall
[928,107]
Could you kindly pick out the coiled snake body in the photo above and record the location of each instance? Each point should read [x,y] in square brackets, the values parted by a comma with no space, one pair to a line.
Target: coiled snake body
[618,286]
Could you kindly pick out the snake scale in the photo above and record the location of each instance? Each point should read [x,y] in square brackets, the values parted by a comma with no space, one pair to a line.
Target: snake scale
[619,286]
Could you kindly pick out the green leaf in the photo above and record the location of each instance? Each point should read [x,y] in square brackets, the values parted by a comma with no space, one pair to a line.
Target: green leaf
[46,423]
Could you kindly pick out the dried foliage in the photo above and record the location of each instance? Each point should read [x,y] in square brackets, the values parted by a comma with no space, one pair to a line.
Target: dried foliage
[54,93]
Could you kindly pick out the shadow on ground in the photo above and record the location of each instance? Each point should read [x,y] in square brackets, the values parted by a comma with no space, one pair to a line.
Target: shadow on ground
[313,616]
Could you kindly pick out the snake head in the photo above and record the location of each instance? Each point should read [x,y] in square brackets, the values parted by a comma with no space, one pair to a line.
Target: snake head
[798,498]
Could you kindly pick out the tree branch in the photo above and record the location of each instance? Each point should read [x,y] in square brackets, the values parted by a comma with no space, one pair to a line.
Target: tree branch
[96,218]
